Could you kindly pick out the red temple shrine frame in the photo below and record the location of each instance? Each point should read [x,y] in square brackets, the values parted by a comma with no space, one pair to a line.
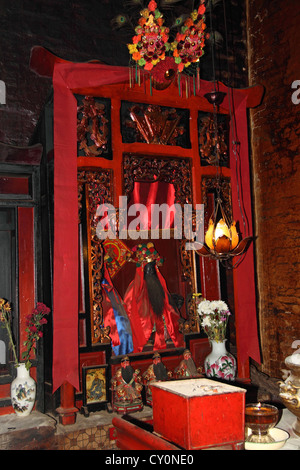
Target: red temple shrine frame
[92,79]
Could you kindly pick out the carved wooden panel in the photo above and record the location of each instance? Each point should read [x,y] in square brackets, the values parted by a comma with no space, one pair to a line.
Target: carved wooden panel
[213,132]
[153,124]
[94,188]
[168,169]
[94,127]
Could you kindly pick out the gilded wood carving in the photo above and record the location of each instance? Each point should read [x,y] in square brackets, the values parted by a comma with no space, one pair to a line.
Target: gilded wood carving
[176,171]
[94,188]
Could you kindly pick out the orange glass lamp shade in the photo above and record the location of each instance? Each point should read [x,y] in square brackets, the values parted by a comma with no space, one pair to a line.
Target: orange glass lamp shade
[222,241]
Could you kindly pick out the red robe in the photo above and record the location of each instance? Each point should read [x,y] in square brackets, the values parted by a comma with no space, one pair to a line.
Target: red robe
[142,317]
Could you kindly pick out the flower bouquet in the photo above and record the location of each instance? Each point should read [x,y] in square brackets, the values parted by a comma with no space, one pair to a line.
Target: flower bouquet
[34,322]
[213,317]
[23,386]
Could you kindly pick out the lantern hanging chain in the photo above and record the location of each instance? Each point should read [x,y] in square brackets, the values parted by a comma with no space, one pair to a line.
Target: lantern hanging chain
[235,143]
[233,130]
[215,115]
[212,50]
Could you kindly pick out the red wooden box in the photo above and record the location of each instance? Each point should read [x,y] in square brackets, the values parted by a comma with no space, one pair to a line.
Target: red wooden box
[199,413]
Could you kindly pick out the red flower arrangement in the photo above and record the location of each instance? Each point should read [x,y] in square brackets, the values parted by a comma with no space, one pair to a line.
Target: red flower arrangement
[34,322]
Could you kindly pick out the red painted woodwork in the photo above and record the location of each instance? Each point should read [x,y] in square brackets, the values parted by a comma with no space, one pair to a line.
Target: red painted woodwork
[26,269]
[129,436]
[5,391]
[203,421]
[26,287]
[21,155]
[67,411]
[200,348]
[21,182]
[42,61]
[14,184]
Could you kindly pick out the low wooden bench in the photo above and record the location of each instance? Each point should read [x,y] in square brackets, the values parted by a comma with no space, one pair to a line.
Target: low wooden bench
[134,434]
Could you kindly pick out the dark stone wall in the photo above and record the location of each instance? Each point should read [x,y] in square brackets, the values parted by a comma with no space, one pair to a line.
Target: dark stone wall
[78,31]
[274,62]
[84,30]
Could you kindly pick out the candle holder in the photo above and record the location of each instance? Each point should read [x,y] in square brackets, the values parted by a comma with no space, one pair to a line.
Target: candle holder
[260,419]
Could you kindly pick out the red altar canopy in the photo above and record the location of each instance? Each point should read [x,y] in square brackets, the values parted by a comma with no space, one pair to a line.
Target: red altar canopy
[68,76]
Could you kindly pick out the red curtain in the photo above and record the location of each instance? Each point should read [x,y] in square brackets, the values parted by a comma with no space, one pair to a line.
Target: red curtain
[148,194]
[66,77]
[244,280]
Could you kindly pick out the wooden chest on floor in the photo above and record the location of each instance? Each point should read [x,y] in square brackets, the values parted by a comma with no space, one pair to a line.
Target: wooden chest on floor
[199,413]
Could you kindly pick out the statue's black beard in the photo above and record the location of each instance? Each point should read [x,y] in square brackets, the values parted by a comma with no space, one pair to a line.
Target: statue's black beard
[155,290]
[127,373]
[160,371]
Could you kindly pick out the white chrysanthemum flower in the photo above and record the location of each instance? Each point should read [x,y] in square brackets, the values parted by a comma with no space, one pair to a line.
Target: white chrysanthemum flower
[219,305]
[206,321]
[204,308]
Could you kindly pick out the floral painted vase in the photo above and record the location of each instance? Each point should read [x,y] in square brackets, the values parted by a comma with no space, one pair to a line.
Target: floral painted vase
[23,392]
[220,363]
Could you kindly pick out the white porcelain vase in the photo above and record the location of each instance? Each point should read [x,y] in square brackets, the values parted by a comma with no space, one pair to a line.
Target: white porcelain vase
[220,363]
[23,391]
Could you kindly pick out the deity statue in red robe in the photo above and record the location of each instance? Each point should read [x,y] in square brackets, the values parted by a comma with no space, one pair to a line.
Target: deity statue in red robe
[126,388]
[148,303]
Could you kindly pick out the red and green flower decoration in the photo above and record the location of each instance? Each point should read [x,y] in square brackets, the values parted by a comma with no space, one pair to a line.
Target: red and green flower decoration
[189,43]
[150,43]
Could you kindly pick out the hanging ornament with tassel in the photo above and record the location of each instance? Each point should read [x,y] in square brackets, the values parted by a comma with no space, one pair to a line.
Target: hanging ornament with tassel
[150,43]
[151,50]
[190,41]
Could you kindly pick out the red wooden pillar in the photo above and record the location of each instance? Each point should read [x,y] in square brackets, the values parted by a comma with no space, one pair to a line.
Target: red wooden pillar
[67,410]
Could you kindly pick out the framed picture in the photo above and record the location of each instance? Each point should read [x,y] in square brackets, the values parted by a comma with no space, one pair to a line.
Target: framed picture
[95,387]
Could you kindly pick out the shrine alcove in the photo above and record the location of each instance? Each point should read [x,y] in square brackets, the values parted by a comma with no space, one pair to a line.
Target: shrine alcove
[126,162]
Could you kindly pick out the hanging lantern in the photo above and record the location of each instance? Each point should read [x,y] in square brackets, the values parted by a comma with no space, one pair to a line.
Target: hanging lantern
[221,238]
